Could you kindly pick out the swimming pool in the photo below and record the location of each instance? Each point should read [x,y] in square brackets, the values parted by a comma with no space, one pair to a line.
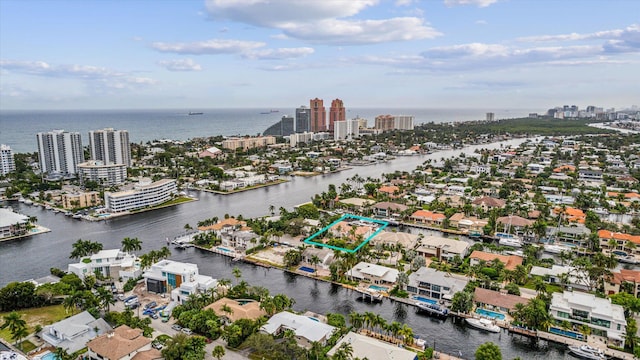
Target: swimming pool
[47,356]
[491,314]
[223,249]
[378,288]
[306,269]
[424,299]
[567,333]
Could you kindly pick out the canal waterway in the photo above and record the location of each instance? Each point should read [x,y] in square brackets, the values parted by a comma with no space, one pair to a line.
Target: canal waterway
[33,257]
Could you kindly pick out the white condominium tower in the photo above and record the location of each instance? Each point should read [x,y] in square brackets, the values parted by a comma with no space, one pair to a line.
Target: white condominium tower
[7,164]
[60,152]
[110,146]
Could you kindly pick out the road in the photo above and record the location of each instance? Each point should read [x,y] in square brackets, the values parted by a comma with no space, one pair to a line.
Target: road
[160,328]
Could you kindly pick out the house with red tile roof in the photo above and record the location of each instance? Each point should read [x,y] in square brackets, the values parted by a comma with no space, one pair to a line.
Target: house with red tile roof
[497,300]
[623,242]
[618,281]
[487,203]
[427,217]
[510,261]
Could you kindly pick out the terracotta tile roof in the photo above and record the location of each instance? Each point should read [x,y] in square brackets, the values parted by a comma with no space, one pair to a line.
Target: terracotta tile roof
[151,354]
[250,310]
[456,217]
[119,343]
[564,168]
[624,275]
[389,189]
[514,221]
[573,214]
[489,201]
[510,261]
[495,298]
[606,234]
[428,215]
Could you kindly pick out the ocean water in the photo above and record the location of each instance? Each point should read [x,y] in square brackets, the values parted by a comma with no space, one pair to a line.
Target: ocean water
[18,128]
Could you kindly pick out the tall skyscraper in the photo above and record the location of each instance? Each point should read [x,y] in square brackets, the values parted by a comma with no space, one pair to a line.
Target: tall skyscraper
[60,152]
[110,146]
[336,113]
[318,115]
[7,163]
[303,119]
[346,130]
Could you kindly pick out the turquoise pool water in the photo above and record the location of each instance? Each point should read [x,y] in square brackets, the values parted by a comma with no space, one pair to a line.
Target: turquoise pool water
[49,356]
[567,333]
[104,215]
[424,299]
[378,288]
[491,314]
[223,249]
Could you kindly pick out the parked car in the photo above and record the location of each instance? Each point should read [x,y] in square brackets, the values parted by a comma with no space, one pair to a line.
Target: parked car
[157,345]
[187,331]
[121,297]
[150,305]
[154,316]
[176,327]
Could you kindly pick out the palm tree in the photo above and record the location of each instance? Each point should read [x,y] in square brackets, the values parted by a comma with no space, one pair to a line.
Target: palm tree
[62,354]
[105,298]
[315,260]
[131,244]
[344,352]
[237,273]
[17,326]
[356,320]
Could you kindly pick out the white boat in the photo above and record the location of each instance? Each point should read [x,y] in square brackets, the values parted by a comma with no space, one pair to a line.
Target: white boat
[587,352]
[506,239]
[432,309]
[483,324]
[28,202]
[629,259]
[370,294]
[555,249]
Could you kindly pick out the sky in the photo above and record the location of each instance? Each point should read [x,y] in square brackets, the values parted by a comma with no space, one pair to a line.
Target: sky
[148,54]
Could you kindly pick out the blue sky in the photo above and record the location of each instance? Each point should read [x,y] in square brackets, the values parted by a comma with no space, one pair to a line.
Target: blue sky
[280,53]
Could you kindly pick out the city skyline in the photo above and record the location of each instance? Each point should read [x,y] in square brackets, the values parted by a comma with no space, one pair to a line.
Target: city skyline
[247,53]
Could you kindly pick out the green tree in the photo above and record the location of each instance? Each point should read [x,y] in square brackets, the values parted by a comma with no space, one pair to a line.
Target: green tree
[16,325]
[462,302]
[488,351]
[344,352]
[218,352]
[183,347]
[237,273]
[131,244]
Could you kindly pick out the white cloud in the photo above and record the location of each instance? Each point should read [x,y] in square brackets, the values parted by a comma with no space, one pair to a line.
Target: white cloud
[324,22]
[213,46]
[180,65]
[479,3]
[481,22]
[281,53]
[96,75]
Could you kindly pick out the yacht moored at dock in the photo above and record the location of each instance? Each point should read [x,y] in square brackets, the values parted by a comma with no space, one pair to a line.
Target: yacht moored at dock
[483,324]
[432,309]
[587,352]
[506,239]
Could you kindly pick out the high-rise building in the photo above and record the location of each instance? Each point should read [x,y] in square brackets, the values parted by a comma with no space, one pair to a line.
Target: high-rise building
[60,152]
[7,163]
[303,119]
[336,113]
[318,115]
[110,146]
[490,116]
[394,122]
[346,130]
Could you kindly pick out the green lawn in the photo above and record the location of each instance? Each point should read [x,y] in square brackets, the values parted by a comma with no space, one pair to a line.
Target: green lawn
[43,316]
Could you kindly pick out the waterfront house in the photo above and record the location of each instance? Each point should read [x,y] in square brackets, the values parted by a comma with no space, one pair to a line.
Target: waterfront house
[230,310]
[112,263]
[467,224]
[180,279]
[374,274]
[225,226]
[73,333]
[324,254]
[365,347]
[351,230]
[497,300]
[435,284]
[600,315]
[510,261]
[577,234]
[442,248]
[357,205]
[122,343]
[391,238]
[427,218]
[623,281]
[514,223]
[562,275]
[306,330]
[11,223]
[240,240]
[76,200]
[388,209]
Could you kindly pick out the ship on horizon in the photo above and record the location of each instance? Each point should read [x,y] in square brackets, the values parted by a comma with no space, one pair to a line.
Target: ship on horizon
[195,113]
[270,112]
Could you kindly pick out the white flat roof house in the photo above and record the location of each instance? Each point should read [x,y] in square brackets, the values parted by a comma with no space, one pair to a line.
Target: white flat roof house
[8,221]
[373,273]
[306,330]
[604,318]
[179,279]
[365,347]
[435,284]
[576,279]
[112,263]
[442,248]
